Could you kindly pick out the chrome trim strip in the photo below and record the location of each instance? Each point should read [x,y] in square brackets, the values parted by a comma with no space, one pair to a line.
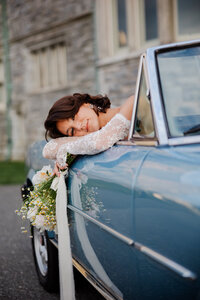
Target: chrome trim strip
[176,45]
[96,284]
[184,140]
[145,71]
[126,143]
[141,142]
[115,233]
[136,97]
[159,258]
[148,86]
[148,143]
[170,264]
[142,67]
[156,104]
[54,242]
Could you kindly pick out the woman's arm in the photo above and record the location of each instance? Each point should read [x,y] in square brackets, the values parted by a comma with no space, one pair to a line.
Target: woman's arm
[51,148]
[95,142]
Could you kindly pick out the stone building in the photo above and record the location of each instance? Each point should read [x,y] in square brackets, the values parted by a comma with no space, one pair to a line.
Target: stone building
[51,48]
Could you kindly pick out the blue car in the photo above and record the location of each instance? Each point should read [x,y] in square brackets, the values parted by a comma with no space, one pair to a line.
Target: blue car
[134,209]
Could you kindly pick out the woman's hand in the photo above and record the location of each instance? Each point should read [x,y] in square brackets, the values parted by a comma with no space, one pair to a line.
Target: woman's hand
[58,168]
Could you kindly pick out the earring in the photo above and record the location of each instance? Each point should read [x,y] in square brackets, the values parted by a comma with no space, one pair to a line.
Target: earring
[91,106]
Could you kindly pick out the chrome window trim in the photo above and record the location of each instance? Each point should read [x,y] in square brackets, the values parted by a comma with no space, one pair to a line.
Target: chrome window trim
[137,139]
[157,106]
[184,140]
[175,45]
[159,258]
[136,97]
[141,142]
[152,109]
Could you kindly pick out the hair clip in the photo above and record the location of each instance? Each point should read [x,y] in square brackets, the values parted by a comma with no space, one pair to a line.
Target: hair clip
[96,108]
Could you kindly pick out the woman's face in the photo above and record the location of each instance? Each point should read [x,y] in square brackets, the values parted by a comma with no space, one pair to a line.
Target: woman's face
[85,121]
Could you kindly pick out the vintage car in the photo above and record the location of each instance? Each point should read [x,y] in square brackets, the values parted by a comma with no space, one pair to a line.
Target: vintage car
[134,209]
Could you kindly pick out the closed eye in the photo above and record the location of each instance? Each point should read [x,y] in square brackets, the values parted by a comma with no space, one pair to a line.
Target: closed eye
[70,131]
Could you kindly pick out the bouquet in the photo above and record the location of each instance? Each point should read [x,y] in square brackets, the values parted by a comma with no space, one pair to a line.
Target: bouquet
[40,200]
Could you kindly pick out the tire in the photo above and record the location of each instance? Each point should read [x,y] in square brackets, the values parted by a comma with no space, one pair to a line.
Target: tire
[46,260]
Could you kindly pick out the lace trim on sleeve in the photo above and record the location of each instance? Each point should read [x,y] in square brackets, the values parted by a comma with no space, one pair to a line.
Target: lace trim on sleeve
[50,149]
[116,129]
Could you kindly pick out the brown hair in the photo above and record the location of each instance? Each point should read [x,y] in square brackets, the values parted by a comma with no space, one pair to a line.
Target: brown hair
[68,106]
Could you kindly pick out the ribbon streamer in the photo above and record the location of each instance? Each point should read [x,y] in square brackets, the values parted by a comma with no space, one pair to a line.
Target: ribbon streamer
[67,289]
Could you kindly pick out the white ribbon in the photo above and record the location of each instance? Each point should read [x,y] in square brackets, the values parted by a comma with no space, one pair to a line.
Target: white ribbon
[67,290]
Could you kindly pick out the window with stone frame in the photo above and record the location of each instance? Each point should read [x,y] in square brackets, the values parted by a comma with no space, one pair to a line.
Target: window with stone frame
[120,26]
[2,86]
[49,67]
[149,23]
[187,19]
[124,26]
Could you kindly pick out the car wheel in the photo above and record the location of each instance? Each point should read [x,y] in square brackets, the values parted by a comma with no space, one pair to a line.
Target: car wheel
[46,260]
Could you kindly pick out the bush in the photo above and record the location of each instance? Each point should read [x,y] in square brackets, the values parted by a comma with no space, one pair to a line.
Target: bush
[12,172]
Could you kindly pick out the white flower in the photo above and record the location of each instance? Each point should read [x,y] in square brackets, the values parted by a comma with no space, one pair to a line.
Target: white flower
[42,175]
[39,222]
[32,213]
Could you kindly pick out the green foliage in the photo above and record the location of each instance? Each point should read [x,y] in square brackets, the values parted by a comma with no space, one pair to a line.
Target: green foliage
[12,172]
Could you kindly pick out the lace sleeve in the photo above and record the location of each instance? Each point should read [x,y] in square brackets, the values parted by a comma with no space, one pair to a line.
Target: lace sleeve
[95,142]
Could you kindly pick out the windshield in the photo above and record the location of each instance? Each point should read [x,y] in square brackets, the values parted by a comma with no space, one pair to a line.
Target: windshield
[180,83]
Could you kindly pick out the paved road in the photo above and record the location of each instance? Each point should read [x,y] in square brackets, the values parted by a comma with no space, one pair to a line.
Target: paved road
[18,279]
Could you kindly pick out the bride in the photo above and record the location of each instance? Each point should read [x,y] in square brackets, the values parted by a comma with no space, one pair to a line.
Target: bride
[80,124]
[84,124]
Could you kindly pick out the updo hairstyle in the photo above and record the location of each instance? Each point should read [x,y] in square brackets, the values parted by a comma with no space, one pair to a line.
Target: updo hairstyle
[68,106]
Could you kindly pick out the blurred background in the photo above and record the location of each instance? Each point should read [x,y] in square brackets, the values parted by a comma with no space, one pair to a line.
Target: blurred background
[51,48]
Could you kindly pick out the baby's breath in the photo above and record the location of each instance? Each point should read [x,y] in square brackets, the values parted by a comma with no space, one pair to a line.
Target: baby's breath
[40,202]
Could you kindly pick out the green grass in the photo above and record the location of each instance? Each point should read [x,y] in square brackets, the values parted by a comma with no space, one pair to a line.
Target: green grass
[12,172]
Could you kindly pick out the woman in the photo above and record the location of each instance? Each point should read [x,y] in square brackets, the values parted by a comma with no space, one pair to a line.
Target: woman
[84,124]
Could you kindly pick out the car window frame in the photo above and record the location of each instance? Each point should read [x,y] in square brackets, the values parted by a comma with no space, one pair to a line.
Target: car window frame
[173,141]
[135,138]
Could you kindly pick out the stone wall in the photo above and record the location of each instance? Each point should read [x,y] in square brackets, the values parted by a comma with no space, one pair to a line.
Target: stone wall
[31,24]
[28,17]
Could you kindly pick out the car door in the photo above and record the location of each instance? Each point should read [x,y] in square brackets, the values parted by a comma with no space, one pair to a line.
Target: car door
[102,211]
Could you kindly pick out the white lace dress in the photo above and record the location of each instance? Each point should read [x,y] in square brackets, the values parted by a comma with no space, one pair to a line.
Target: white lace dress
[116,129]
